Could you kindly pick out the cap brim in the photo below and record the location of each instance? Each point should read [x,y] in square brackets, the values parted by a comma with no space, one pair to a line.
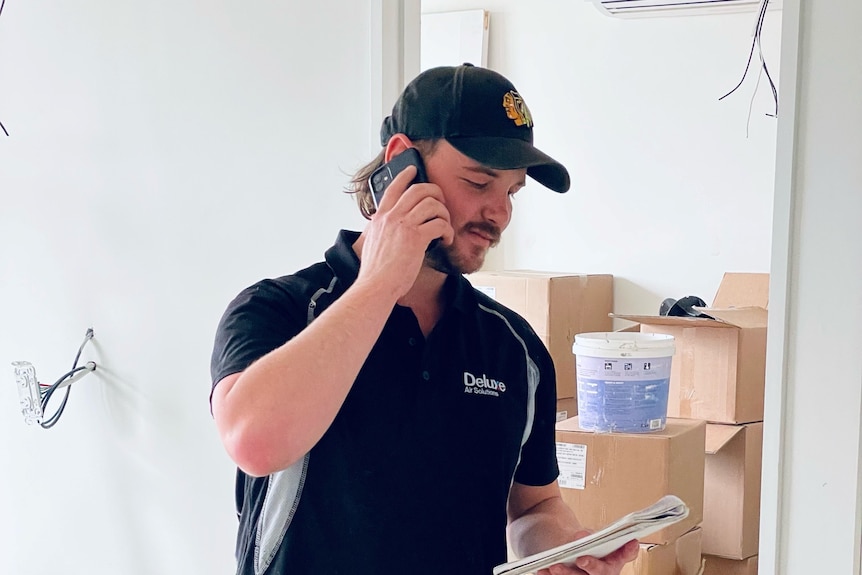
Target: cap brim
[511,154]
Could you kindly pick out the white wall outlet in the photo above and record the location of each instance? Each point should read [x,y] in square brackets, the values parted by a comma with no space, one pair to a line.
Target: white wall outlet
[29,394]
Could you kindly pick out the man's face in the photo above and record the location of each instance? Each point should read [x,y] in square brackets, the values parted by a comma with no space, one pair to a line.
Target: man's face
[479,200]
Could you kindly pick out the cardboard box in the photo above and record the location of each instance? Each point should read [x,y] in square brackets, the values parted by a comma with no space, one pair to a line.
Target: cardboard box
[679,557]
[718,371]
[557,306]
[731,492]
[566,408]
[604,476]
[721,566]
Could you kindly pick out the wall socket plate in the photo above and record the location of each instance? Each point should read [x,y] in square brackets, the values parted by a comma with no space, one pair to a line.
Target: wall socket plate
[29,393]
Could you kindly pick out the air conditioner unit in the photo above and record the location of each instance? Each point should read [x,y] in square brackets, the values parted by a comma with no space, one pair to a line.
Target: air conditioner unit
[645,8]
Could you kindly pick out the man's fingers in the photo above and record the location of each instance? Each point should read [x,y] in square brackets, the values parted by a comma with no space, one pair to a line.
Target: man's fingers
[429,208]
[397,187]
[624,554]
[419,206]
[565,570]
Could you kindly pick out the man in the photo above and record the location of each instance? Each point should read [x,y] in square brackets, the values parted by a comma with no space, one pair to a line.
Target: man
[386,417]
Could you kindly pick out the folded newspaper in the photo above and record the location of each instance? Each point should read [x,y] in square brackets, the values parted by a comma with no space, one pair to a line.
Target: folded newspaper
[667,510]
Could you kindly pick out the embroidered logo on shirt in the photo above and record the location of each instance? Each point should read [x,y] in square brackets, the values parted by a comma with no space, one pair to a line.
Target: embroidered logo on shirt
[483,385]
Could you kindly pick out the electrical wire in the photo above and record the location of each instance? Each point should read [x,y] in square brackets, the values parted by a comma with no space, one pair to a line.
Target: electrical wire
[50,391]
[756,43]
[751,102]
[47,393]
[764,68]
[3,3]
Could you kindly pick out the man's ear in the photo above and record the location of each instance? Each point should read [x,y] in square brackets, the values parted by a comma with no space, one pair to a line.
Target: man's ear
[397,144]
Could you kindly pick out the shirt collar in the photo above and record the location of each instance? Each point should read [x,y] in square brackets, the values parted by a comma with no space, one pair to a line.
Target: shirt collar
[342,259]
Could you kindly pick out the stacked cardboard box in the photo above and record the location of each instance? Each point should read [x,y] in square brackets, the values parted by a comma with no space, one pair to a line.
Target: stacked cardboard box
[604,476]
[679,557]
[566,408]
[720,566]
[557,306]
[718,375]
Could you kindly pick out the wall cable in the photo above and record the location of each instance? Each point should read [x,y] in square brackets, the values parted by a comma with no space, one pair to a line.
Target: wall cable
[756,44]
[751,102]
[66,380]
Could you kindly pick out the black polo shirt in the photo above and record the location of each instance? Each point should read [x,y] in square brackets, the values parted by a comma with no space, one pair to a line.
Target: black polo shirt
[414,472]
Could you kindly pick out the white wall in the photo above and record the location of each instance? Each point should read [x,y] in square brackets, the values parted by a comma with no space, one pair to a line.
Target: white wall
[162,156]
[166,154]
[812,509]
[668,193]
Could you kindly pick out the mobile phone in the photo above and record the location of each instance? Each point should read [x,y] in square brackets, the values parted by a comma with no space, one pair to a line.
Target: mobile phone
[383,176]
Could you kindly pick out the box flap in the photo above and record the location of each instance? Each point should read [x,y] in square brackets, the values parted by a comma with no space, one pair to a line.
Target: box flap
[544,274]
[570,424]
[717,436]
[635,327]
[743,290]
[523,273]
[673,320]
[740,316]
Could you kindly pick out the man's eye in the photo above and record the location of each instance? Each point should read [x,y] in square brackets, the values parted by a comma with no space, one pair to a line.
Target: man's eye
[477,185]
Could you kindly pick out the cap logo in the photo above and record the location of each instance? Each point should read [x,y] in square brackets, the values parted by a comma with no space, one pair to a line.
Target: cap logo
[516,109]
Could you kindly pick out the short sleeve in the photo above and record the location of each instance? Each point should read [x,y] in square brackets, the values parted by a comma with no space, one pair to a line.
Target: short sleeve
[538,464]
[260,319]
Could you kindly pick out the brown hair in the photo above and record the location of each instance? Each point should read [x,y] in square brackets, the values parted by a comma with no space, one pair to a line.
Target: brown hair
[359,182]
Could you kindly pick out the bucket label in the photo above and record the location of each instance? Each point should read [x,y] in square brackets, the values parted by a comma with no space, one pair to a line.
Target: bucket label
[626,395]
[572,460]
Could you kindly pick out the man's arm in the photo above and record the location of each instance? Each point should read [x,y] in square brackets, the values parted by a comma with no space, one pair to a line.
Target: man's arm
[270,415]
[539,520]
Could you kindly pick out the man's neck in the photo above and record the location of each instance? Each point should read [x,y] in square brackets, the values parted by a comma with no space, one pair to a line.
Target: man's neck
[426,298]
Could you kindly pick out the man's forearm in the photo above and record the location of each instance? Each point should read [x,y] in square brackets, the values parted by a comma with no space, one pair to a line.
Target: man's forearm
[548,524]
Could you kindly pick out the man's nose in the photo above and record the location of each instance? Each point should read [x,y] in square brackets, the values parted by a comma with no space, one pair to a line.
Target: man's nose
[499,210]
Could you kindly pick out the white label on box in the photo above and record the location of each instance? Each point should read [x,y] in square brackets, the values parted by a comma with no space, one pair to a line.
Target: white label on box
[572,459]
[489,291]
[562,415]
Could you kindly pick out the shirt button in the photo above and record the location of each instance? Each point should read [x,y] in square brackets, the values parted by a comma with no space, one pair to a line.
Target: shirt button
[426,376]
[412,341]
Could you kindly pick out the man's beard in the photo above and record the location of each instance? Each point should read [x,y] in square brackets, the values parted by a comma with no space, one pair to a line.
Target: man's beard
[438,257]
[446,260]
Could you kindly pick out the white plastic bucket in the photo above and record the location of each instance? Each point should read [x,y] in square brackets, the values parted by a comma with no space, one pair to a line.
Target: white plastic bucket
[623,380]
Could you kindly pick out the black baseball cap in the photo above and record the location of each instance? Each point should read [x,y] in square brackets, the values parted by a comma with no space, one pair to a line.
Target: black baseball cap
[481,114]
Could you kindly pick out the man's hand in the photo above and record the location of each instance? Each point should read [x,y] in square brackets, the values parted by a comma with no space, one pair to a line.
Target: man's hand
[539,520]
[610,565]
[409,218]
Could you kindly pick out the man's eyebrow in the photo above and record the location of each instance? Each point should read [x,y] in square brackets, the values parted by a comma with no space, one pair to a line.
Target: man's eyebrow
[480,169]
[483,170]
